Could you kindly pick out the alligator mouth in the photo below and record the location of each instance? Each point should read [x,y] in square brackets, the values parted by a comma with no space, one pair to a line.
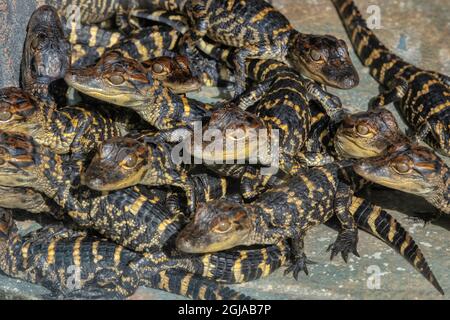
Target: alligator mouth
[348,78]
[100,185]
[347,147]
[118,97]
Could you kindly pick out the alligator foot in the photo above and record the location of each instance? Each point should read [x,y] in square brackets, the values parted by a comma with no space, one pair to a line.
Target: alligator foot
[298,264]
[345,243]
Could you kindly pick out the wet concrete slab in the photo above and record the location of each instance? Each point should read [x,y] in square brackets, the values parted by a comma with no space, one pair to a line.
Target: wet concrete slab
[416,30]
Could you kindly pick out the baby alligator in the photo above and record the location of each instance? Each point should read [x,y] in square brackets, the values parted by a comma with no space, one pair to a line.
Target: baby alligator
[290,210]
[423,96]
[124,162]
[412,169]
[259,31]
[46,55]
[76,130]
[76,264]
[125,82]
[137,218]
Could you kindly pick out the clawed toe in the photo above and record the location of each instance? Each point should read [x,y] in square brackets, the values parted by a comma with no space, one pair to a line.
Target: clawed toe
[297,265]
[345,244]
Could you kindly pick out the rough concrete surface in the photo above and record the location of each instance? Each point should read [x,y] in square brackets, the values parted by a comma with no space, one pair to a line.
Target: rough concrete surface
[417,30]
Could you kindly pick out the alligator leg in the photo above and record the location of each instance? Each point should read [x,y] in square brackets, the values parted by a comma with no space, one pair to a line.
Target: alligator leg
[396,93]
[299,261]
[184,183]
[240,56]
[315,159]
[347,239]
[253,95]
[331,103]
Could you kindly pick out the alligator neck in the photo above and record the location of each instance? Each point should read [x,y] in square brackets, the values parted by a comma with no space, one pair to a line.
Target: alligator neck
[262,231]
[53,179]
[161,169]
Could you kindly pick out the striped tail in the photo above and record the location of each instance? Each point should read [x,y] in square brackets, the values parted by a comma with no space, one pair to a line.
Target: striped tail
[90,35]
[192,286]
[378,222]
[238,266]
[383,64]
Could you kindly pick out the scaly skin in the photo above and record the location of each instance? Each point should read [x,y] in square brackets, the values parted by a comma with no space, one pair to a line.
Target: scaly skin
[423,97]
[412,169]
[367,134]
[102,11]
[125,82]
[145,44]
[291,210]
[258,31]
[74,130]
[91,11]
[74,264]
[136,218]
[175,73]
[284,212]
[46,55]
[239,130]
[282,106]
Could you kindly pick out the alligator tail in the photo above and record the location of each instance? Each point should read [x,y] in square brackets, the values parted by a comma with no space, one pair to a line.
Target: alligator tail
[192,286]
[381,224]
[238,266]
[383,64]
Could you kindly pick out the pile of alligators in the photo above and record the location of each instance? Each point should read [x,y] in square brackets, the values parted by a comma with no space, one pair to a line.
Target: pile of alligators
[93,137]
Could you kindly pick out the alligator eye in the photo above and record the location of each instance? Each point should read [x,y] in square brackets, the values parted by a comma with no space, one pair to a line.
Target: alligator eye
[362,129]
[116,79]
[223,226]
[131,161]
[5,115]
[315,55]
[402,167]
[157,68]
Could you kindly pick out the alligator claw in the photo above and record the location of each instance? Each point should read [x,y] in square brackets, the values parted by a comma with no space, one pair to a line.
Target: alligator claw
[345,243]
[297,265]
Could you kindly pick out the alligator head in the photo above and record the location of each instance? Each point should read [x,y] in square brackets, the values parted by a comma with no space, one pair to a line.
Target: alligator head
[119,163]
[114,79]
[324,59]
[230,134]
[174,73]
[17,160]
[217,225]
[410,168]
[127,83]
[367,134]
[47,54]
[19,111]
